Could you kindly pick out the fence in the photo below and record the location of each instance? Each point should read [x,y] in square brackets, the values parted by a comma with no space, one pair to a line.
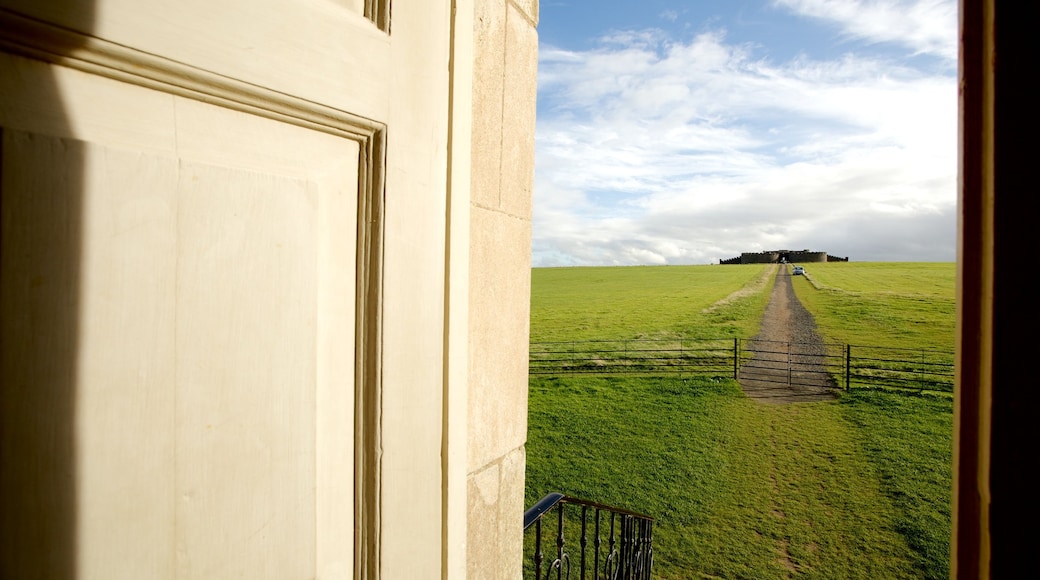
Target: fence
[918,369]
[585,539]
[635,357]
[839,365]
[771,363]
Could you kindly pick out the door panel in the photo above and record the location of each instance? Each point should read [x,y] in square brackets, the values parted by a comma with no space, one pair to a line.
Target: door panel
[210,332]
[319,50]
[246,312]
[239,210]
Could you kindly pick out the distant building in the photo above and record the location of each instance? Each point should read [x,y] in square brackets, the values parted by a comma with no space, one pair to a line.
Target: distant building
[783,257]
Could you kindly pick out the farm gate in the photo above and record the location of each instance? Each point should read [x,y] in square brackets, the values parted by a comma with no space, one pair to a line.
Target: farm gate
[815,364]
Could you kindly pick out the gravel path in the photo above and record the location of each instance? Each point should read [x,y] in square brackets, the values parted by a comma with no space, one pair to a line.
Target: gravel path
[785,366]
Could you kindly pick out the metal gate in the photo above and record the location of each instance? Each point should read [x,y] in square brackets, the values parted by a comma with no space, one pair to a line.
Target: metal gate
[810,365]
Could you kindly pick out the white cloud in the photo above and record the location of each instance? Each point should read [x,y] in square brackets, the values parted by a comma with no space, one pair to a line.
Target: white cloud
[924,26]
[652,150]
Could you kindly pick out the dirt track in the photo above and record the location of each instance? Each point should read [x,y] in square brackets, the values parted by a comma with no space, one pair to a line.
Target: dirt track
[787,350]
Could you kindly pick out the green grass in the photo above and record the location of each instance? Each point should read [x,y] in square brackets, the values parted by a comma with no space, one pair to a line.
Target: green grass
[645,302]
[894,304]
[853,488]
[856,488]
[910,441]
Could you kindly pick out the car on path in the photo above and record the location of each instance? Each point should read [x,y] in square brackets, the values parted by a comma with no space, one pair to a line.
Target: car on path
[798,271]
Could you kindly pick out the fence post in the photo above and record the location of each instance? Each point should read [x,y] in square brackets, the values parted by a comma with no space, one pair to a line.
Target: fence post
[736,357]
[789,363]
[848,364]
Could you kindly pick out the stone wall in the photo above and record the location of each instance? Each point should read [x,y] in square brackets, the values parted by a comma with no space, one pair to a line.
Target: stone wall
[805,256]
[788,256]
[504,90]
[759,257]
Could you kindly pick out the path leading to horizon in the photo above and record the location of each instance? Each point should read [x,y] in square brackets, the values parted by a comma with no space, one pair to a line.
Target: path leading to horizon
[788,353]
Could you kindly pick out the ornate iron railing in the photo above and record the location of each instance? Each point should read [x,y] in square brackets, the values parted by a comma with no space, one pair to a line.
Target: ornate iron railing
[608,543]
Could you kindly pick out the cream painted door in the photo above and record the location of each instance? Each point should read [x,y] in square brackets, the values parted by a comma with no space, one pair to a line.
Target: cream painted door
[216,216]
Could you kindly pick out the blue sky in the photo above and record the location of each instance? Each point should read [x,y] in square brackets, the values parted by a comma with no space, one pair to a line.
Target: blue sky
[688,131]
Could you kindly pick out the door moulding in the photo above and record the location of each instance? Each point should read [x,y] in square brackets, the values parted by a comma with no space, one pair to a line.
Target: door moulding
[55,45]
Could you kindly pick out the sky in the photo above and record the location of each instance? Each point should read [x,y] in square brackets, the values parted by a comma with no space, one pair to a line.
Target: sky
[689,131]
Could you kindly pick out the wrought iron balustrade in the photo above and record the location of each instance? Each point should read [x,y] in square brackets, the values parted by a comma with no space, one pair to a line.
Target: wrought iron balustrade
[586,540]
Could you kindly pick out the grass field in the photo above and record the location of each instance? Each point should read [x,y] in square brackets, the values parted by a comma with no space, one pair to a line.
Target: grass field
[853,488]
[646,302]
[897,304]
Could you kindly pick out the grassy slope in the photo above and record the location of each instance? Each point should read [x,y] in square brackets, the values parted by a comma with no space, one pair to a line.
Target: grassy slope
[898,304]
[643,302]
[858,488]
[743,490]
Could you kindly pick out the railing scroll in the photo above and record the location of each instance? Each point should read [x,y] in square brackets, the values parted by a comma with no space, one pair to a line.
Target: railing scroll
[621,546]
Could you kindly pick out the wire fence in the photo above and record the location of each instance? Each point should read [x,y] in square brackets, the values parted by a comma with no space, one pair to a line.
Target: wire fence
[842,365]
